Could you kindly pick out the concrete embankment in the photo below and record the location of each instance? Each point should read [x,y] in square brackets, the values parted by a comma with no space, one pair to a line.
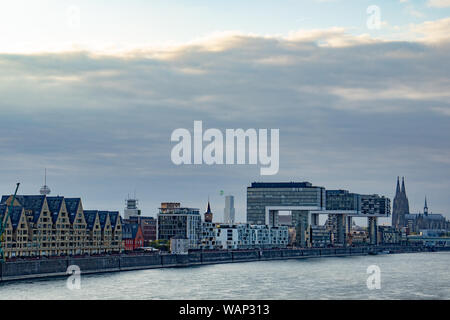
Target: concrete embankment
[43,268]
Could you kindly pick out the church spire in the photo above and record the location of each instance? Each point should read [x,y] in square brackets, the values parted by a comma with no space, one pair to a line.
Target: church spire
[403,186]
[208,213]
[425,207]
[398,186]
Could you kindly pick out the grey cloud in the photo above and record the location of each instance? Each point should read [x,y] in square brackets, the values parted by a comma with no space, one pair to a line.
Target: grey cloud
[102,124]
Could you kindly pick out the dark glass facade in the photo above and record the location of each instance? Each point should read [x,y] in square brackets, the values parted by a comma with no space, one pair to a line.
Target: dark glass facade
[343,200]
[283,194]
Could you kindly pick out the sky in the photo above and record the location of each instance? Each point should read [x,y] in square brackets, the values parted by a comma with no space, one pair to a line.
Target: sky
[92,90]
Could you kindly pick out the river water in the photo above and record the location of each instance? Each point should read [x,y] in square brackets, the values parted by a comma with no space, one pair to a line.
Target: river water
[403,276]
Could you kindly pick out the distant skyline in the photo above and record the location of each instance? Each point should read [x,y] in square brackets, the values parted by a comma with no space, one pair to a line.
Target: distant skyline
[94,98]
[220,205]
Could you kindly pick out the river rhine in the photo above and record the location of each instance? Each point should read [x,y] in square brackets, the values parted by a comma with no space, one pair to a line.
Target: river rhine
[403,276]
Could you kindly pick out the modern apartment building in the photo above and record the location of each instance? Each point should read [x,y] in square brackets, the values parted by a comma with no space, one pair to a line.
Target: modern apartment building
[174,220]
[320,236]
[375,206]
[244,236]
[226,237]
[208,238]
[262,236]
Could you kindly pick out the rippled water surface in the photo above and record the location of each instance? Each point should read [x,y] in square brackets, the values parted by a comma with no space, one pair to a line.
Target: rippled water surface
[403,276]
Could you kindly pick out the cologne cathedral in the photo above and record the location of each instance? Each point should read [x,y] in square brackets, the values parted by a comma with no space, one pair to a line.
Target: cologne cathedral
[400,205]
[415,222]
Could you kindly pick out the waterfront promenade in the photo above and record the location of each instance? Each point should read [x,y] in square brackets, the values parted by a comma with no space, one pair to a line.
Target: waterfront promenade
[43,268]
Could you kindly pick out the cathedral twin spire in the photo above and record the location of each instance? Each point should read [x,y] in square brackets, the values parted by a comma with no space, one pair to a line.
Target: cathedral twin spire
[403,189]
[401,204]
[403,186]
[398,186]
[425,207]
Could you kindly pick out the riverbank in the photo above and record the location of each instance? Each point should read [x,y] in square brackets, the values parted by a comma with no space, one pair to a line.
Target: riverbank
[45,268]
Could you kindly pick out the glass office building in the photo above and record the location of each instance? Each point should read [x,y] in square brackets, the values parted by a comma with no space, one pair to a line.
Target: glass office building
[282,194]
[180,222]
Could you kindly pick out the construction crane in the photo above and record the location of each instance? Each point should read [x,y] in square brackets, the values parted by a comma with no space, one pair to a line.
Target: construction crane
[5,221]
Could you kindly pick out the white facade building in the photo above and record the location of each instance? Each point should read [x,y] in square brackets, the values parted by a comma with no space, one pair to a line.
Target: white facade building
[227,237]
[263,236]
[208,236]
[243,236]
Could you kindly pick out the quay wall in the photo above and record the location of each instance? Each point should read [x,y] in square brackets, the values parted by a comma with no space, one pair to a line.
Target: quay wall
[53,267]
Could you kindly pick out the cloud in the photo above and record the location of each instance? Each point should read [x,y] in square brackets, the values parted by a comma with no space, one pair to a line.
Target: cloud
[439,3]
[414,12]
[434,31]
[444,111]
[353,112]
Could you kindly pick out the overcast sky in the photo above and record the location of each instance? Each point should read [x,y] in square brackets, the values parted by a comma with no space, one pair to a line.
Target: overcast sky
[95,97]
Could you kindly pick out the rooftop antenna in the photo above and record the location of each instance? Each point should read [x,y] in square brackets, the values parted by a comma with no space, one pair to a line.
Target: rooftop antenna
[45,190]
